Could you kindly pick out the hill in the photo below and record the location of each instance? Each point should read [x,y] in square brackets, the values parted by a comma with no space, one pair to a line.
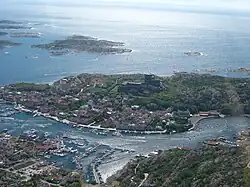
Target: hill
[206,166]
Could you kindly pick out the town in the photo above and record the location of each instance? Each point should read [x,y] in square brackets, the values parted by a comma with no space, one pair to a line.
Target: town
[123,103]
[20,164]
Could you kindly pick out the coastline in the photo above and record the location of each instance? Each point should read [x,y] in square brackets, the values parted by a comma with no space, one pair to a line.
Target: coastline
[35,113]
[201,118]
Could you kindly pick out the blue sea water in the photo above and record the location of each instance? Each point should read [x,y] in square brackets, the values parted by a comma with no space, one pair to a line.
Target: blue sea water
[158,38]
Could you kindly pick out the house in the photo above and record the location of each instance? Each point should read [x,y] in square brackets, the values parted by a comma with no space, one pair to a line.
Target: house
[209,113]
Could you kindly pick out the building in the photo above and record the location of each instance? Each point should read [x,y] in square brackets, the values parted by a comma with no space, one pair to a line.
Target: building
[209,113]
[150,85]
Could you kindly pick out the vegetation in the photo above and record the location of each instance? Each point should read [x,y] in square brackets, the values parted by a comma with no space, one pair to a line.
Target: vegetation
[203,167]
[77,43]
[196,93]
[29,87]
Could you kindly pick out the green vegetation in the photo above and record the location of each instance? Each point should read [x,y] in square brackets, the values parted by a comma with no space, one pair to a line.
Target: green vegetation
[29,87]
[196,93]
[77,43]
[203,167]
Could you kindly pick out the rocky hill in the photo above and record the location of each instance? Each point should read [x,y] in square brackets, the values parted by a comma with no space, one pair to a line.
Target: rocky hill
[206,166]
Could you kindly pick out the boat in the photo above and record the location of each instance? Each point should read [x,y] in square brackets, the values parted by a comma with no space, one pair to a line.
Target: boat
[102,133]
[116,133]
[60,154]
[47,156]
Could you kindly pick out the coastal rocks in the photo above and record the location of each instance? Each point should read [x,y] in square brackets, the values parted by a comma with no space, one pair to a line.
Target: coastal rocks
[6,27]
[6,43]
[9,22]
[3,33]
[195,53]
[25,35]
[242,70]
[10,25]
[77,43]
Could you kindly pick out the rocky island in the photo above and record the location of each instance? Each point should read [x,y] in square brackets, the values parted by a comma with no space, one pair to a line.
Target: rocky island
[132,103]
[77,43]
[6,43]
[9,22]
[14,25]
[3,33]
[25,35]
[242,70]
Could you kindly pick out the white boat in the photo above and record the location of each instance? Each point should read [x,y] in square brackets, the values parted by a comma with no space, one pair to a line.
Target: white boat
[116,133]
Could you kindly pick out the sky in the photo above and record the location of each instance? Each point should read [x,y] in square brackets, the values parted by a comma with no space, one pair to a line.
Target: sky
[200,6]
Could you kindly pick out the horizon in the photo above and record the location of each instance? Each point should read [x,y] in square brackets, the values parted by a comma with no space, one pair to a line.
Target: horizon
[239,7]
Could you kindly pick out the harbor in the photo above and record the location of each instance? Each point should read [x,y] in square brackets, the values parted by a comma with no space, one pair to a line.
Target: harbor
[92,155]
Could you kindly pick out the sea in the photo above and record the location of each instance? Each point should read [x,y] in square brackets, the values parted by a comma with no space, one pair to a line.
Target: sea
[158,37]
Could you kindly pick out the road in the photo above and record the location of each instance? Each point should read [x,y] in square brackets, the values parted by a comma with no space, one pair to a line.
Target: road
[145,178]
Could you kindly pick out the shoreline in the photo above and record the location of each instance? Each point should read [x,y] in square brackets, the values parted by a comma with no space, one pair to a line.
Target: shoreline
[201,118]
[35,113]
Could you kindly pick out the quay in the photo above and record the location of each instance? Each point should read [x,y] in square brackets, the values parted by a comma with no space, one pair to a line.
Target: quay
[90,126]
[194,120]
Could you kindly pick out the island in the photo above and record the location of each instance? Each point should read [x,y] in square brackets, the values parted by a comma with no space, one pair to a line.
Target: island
[9,22]
[3,33]
[14,27]
[7,43]
[242,70]
[78,43]
[133,103]
[25,35]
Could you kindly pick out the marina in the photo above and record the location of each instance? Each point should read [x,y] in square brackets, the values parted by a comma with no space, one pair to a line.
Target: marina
[80,148]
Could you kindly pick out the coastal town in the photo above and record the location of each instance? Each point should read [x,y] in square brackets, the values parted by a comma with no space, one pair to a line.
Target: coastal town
[22,165]
[34,154]
[115,103]
[24,160]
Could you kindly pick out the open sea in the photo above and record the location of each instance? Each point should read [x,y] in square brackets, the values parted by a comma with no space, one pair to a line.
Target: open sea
[158,38]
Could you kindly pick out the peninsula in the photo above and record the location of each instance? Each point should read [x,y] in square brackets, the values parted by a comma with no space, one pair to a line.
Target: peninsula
[132,103]
[78,43]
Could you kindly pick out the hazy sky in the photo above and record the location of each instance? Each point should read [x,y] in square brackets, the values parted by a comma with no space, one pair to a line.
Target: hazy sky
[207,6]
[203,4]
